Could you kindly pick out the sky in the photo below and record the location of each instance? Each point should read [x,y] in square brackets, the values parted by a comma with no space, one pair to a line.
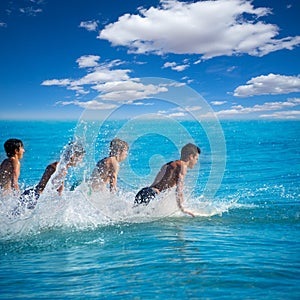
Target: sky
[59,59]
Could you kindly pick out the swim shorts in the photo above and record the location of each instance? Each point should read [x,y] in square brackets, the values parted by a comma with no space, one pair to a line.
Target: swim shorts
[144,196]
[29,198]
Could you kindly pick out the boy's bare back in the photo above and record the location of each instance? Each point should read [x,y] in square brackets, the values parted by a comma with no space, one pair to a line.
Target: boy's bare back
[168,176]
[107,169]
[6,171]
[105,172]
[10,167]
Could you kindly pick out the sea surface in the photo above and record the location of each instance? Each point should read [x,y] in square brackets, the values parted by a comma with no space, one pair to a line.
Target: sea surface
[244,242]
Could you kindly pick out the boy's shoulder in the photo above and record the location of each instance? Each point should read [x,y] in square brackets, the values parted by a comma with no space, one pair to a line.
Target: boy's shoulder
[52,167]
[175,163]
[112,160]
[107,160]
[6,163]
[104,163]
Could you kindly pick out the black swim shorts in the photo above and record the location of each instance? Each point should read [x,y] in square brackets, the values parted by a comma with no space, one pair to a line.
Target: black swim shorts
[29,198]
[144,196]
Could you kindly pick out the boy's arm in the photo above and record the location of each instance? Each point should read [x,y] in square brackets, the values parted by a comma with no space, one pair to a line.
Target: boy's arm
[49,171]
[179,191]
[58,180]
[61,188]
[113,178]
[15,175]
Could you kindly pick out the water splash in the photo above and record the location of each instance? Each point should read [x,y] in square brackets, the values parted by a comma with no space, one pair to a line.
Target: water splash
[82,209]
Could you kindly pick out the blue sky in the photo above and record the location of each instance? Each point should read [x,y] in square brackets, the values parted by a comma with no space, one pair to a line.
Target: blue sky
[59,58]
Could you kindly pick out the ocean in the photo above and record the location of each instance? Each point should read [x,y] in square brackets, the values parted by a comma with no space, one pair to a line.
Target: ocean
[243,243]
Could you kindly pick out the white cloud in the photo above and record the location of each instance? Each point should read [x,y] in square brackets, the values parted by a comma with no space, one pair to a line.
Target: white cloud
[230,69]
[2,24]
[93,104]
[193,108]
[175,67]
[258,108]
[208,28]
[30,11]
[269,84]
[188,108]
[187,79]
[103,74]
[288,115]
[89,25]
[178,111]
[112,83]
[88,61]
[168,113]
[178,114]
[217,103]
[78,89]
[127,90]
[59,82]
[138,103]
[174,84]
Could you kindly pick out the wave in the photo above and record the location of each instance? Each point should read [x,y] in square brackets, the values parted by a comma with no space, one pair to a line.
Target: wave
[81,209]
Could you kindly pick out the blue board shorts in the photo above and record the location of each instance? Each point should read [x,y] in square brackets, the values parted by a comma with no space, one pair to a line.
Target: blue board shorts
[144,196]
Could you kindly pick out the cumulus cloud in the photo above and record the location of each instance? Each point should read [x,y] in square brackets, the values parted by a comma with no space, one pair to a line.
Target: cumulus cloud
[179,112]
[176,115]
[269,84]
[217,103]
[175,67]
[188,108]
[87,61]
[93,104]
[138,103]
[127,90]
[89,25]
[208,28]
[288,115]
[170,114]
[258,108]
[111,82]
[59,82]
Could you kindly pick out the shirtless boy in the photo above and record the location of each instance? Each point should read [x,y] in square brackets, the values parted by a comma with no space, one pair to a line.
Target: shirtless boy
[71,157]
[170,175]
[107,169]
[10,167]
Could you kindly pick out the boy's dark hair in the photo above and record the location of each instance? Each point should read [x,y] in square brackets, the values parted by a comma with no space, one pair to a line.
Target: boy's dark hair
[189,149]
[11,146]
[117,145]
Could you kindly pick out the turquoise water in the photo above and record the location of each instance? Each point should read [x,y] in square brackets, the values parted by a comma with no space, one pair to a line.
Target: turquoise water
[244,243]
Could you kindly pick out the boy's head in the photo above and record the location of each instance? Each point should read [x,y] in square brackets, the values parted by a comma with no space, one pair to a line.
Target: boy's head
[13,146]
[118,147]
[190,154]
[74,153]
